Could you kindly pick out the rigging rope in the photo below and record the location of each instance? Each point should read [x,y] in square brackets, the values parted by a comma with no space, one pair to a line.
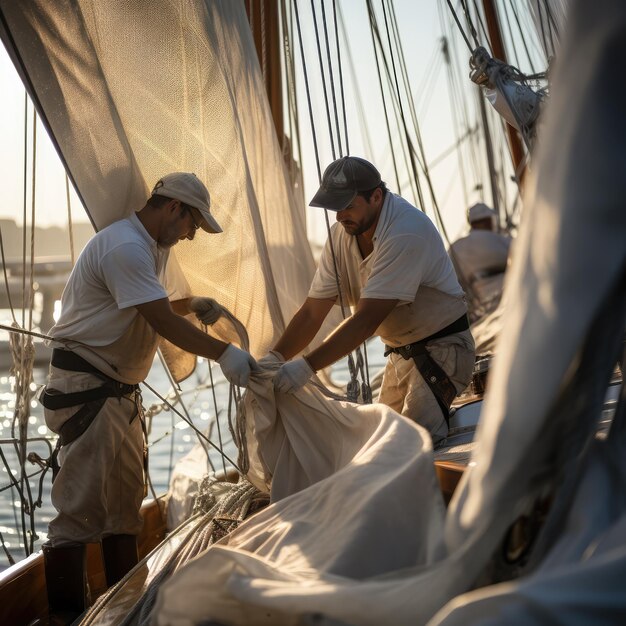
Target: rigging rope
[217,420]
[69,218]
[480,22]
[332,81]
[445,49]
[353,385]
[364,127]
[165,402]
[422,154]
[341,88]
[458,23]
[324,87]
[521,35]
[23,356]
[293,116]
[198,432]
[407,137]
[372,19]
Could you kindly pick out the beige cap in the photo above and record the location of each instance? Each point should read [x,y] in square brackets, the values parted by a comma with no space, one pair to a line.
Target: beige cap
[479,211]
[188,188]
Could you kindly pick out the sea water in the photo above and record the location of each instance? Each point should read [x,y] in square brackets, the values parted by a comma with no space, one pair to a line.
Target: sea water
[169,439]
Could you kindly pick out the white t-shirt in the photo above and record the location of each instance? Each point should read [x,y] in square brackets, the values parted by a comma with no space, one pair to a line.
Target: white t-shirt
[408,263]
[481,259]
[120,267]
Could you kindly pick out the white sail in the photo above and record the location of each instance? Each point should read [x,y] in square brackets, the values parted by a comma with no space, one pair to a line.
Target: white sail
[195,102]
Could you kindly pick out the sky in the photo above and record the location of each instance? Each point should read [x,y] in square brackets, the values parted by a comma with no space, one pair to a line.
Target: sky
[439,106]
[420,31]
[50,189]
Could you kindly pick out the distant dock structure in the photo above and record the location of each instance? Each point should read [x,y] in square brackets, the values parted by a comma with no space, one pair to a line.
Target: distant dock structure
[51,268]
[49,277]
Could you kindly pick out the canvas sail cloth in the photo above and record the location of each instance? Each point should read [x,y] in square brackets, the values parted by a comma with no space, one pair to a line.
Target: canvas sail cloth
[133,90]
[563,331]
[354,495]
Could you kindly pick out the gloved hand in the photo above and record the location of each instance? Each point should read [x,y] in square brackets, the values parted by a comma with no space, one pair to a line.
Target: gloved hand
[292,376]
[237,365]
[271,358]
[207,310]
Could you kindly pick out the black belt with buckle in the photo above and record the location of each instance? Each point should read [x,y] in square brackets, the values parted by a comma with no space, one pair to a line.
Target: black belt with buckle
[437,380]
[92,400]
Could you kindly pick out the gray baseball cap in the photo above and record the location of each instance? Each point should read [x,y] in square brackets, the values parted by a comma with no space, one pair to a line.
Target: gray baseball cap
[342,180]
[189,189]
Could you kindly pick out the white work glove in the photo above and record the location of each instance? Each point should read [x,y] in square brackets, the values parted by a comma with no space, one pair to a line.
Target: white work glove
[292,376]
[237,365]
[207,310]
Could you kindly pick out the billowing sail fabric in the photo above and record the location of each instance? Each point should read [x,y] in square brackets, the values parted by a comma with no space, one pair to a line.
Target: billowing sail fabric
[563,332]
[132,90]
[354,496]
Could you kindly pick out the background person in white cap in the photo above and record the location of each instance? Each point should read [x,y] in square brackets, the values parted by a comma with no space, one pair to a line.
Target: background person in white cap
[400,283]
[113,310]
[480,259]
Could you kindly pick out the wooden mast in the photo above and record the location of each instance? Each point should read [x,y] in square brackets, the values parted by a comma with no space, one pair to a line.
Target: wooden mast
[263,16]
[497,47]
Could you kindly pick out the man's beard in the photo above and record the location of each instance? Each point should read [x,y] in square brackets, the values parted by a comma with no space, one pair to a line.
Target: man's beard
[355,229]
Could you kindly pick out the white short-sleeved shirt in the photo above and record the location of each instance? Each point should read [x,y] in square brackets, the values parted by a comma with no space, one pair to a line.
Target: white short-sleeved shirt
[119,268]
[480,259]
[409,263]
[481,253]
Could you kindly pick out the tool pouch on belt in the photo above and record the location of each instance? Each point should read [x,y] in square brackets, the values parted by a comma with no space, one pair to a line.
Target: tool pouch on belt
[92,400]
[437,380]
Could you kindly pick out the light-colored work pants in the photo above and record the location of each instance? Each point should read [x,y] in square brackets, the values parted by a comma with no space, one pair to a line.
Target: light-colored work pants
[99,488]
[404,390]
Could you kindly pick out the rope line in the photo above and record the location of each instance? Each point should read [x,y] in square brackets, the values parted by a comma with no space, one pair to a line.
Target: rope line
[332,81]
[198,432]
[481,24]
[407,138]
[217,420]
[458,23]
[373,28]
[324,86]
[341,87]
[521,35]
[69,218]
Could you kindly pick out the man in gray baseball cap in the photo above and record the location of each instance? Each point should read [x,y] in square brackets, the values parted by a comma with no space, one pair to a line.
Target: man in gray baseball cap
[343,179]
[115,307]
[393,271]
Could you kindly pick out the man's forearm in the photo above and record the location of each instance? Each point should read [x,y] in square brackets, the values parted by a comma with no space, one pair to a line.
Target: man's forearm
[351,333]
[297,336]
[179,331]
[181,307]
[191,339]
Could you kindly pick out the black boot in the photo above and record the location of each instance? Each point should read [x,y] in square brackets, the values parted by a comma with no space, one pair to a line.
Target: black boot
[119,553]
[66,582]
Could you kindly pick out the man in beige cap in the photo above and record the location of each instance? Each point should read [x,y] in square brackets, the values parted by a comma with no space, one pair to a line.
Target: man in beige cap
[480,259]
[120,297]
[395,274]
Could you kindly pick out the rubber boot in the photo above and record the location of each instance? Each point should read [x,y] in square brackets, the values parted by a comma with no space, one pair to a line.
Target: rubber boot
[66,582]
[119,553]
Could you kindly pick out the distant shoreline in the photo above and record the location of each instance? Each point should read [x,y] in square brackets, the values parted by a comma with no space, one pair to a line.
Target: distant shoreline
[49,241]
